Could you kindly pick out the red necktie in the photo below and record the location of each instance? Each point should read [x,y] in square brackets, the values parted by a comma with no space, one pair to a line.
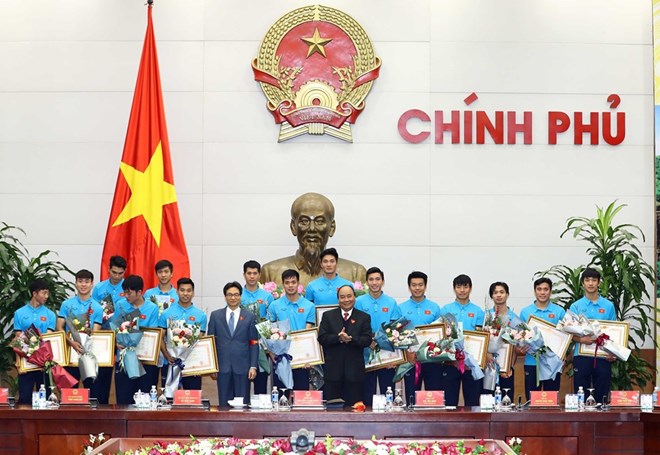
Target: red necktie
[346,316]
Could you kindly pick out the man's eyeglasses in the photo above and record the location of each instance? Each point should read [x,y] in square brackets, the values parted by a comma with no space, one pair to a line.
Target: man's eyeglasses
[232,296]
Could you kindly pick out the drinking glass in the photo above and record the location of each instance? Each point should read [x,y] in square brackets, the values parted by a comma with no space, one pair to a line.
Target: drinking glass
[506,401]
[284,401]
[53,402]
[590,403]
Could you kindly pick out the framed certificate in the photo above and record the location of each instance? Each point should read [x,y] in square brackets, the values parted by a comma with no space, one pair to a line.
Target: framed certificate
[103,347]
[616,330]
[504,357]
[320,310]
[430,332]
[148,348]
[305,348]
[57,343]
[476,343]
[553,338]
[203,359]
[384,359]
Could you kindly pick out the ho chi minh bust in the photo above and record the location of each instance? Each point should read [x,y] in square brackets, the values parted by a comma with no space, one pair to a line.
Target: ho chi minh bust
[313,223]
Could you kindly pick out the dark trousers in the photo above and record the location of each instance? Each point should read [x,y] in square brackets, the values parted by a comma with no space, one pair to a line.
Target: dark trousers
[187,382]
[587,376]
[261,383]
[429,376]
[232,385]
[451,381]
[101,387]
[125,387]
[505,383]
[551,385]
[350,392]
[30,382]
[383,378]
[75,372]
[300,379]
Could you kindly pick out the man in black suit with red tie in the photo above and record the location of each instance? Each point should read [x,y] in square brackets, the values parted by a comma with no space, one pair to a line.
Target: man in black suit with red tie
[344,333]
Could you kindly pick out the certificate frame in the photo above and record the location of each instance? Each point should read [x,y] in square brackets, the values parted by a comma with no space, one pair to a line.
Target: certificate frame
[103,347]
[618,332]
[385,359]
[429,332]
[476,343]
[505,357]
[321,310]
[57,343]
[306,342]
[555,339]
[148,348]
[203,359]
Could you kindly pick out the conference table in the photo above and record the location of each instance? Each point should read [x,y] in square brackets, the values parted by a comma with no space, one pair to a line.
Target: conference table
[552,431]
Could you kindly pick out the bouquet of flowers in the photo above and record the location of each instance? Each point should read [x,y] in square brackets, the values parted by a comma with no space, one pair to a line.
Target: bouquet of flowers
[493,324]
[578,325]
[463,358]
[274,336]
[360,288]
[393,335]
[181,339]
[548,364]
[80,330]
[278,291]
[108,306]
[128,335]
[255,308]
[163,303]
[28,344]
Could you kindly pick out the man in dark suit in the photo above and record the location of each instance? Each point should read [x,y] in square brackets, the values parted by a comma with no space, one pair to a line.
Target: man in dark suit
[344,333]
[236,344]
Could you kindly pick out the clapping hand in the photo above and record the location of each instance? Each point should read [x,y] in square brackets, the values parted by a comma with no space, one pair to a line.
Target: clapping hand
[344,337]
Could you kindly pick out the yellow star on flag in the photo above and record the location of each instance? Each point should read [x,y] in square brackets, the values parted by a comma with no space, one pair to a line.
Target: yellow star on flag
[149,193]
[316,43]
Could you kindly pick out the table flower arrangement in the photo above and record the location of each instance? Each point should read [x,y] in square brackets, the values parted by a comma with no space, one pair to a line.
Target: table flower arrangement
[328,446]
[278,291]
[360,288]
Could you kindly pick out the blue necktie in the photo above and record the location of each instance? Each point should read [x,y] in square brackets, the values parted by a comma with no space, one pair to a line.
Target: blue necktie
[231,324]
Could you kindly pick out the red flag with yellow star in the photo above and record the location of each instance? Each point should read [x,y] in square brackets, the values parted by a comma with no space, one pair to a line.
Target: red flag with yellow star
[144,224]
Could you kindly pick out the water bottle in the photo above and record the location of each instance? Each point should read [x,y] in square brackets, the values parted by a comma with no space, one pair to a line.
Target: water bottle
[275,399]
[655,396]
[153,397]
[398,399]
[580,396]
[42,396]
[498,397]
[389,399]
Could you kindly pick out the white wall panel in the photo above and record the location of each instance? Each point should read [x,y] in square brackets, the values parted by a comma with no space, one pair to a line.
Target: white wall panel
[565,21]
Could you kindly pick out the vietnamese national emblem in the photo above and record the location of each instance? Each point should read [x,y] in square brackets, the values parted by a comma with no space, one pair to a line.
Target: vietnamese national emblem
[316,66]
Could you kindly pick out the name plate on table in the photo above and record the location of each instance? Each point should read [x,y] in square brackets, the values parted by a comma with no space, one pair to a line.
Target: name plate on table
[543,399]
[75,396]
[307,398]
[430,399]
[4,396]
[624,398]
[187,398]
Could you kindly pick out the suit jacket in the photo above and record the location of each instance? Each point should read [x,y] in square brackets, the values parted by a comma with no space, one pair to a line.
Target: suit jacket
[237,353]
[344,361]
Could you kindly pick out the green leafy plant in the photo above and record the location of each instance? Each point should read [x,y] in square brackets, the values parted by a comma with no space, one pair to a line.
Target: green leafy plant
[625,277]
[17,270]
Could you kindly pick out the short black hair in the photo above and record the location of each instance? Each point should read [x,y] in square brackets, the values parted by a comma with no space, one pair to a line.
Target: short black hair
[590,273]
[160,265]
[185,280]
[251,264]
[462,280]
[84,274]
[418,274]
[38,285]
[232,284]
[375,270]
[329,251]
[117,261]
[543,280]
[345,286]
[290,273]
[133,283]
[492,287]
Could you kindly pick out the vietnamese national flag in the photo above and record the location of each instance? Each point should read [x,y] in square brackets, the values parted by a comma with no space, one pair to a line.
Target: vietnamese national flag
[144,224]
